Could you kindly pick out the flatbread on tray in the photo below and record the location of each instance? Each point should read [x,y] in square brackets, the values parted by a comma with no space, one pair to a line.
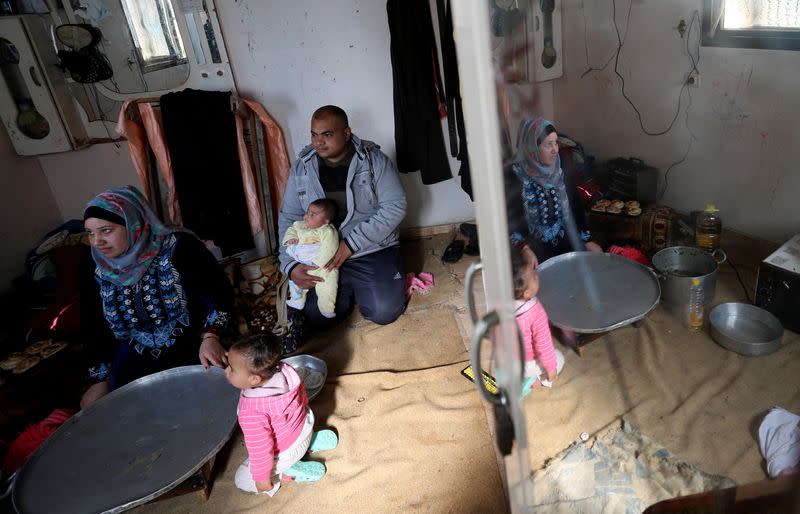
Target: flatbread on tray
[38,346]
[11,360]
[52,348]
[26,363]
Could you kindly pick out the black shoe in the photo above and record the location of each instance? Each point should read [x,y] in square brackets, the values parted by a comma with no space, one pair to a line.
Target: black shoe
[454,251]
[470,230]
[472,248]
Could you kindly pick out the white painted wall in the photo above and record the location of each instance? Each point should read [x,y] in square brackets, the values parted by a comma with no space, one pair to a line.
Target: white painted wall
[76,177]
[743,117]
[29,210]
[293,58]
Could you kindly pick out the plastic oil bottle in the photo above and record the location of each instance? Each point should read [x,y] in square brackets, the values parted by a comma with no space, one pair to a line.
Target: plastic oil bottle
[696,311]
[708,228]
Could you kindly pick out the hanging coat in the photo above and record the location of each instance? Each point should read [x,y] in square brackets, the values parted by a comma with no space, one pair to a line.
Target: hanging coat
[417,127]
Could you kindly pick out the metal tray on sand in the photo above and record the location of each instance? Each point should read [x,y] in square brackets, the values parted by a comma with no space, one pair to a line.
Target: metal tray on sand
[589,292]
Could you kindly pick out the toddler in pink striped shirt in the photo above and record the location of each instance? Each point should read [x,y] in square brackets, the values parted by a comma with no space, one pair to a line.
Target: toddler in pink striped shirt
[274,416]
[543,362]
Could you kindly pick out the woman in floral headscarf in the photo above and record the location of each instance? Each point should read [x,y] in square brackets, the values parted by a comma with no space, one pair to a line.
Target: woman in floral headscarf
[543,203]
[163,295]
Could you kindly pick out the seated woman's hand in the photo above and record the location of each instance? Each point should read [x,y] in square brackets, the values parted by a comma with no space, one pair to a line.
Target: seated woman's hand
[591,246]
[211,352]
[94,393]
[301,277]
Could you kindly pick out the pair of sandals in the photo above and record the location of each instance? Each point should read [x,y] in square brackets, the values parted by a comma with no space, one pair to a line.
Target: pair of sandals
[310,470]
[456,249]
[421,283]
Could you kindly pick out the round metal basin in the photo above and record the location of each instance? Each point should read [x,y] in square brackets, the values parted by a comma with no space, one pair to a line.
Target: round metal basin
[745,329]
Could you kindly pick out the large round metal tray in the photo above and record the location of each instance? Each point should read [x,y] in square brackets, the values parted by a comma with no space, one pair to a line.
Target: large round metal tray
[589,292]
[745,329]
[132,445]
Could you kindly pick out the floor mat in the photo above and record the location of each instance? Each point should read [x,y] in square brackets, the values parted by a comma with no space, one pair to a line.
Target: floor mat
[623,471]
[417,340]
[412,433]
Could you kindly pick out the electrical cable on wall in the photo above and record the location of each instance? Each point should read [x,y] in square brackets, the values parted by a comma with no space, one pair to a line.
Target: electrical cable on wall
[590,68]
[102,115]
[741,282]
[694,61]
[620,43]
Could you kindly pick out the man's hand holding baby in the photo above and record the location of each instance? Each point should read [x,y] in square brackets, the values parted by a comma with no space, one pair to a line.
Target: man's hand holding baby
[301,277]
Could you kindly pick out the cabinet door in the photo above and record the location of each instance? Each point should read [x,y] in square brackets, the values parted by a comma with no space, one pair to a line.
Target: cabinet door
[24,93]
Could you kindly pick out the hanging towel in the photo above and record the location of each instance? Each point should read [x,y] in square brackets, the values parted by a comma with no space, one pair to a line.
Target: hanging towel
[200,131]
[142,126]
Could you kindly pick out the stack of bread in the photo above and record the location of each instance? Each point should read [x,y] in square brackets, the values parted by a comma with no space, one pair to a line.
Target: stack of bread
[613,206]
[20,362]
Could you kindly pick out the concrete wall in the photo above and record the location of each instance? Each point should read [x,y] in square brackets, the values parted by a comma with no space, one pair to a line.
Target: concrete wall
[75,177]
[29,210]
[742,121]
[293,58]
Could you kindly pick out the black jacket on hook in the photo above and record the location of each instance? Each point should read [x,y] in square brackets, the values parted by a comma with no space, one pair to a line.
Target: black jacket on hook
[452,84]
[415,69]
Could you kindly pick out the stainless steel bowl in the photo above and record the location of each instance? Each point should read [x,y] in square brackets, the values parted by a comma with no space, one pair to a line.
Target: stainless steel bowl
[310,363]
[745,329]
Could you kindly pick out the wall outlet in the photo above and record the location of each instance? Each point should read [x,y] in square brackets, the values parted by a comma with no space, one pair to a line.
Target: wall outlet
[693,80]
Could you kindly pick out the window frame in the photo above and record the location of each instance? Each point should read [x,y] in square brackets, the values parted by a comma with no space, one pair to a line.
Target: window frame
[763,39]
[172,36]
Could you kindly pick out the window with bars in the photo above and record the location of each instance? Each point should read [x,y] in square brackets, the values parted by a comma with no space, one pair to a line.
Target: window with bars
[767,24]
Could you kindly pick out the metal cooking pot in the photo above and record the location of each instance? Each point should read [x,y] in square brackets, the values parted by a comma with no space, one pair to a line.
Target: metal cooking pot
[676,266]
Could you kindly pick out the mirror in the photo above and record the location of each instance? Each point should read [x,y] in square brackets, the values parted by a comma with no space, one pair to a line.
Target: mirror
[85,63]
[78,36]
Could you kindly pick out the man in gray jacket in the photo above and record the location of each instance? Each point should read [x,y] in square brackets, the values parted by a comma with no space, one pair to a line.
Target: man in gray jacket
[363,182]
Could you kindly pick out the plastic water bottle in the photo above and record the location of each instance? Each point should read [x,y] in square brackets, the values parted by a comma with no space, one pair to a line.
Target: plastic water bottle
[695,312]
[708,228]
